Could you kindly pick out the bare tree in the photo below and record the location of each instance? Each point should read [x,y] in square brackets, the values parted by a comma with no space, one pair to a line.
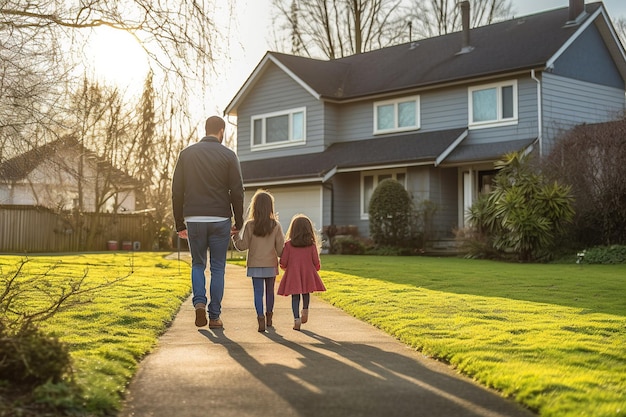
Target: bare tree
[337,28]
[30,71]
[41,42]
[439,17]
[151,159]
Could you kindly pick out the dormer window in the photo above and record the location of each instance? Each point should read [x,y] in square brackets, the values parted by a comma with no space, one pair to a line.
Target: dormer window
[397,115]
[278,129]
[493,105]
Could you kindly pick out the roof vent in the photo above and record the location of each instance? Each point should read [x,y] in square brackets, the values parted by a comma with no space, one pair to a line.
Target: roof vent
[465,20]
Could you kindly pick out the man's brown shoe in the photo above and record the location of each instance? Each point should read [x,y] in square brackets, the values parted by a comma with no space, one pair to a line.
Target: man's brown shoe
[216,324]
[200,315]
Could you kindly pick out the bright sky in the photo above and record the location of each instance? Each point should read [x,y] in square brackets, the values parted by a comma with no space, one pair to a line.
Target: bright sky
[124,61]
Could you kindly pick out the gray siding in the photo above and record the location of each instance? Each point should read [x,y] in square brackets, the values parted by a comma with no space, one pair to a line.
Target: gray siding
[588,59]
[444,194]
[442,110]
[332,122]
[438,186]
[327,201]
[568,102]
[276,91]
[347,205]
[356,121]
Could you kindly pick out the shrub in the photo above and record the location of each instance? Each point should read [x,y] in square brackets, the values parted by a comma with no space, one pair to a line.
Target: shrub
[615,254]
[524,214]
[394,251]
[390,212]
[591,158]
[30,358]
[35,367]
[348,245]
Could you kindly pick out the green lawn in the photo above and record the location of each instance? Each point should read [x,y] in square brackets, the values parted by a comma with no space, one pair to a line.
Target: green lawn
[551,336]
[110,335]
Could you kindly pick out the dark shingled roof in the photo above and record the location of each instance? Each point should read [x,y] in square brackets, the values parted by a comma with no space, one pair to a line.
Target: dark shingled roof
[513,45]
[413,148]
[487,151]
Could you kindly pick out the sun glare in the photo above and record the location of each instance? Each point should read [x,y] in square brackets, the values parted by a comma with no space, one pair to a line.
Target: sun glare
[117,57]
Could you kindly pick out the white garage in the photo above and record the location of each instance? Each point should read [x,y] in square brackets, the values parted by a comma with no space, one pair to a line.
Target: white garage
[289,201]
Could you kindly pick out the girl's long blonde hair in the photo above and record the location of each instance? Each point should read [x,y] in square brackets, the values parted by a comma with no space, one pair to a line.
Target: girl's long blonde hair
[261,212]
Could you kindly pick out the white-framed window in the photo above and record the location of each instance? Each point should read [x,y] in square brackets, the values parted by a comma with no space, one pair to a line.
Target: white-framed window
[369,182]
[397,115]
[493,104]
[278,128]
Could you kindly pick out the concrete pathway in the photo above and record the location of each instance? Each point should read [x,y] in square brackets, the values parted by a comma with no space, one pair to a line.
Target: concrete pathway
[337,366]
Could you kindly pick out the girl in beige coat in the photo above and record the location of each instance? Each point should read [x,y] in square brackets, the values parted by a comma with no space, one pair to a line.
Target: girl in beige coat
[262,236]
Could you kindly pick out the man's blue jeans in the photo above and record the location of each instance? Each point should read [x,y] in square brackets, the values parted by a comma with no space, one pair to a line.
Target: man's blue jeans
[213,237]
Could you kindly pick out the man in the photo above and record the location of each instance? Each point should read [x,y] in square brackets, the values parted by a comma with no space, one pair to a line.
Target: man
[207,191]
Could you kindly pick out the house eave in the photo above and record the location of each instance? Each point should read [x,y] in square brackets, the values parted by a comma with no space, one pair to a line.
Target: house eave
[419,88]
[285,181]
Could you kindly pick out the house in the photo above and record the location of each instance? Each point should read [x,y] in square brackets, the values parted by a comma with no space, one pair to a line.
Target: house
[55,174]
[434,114]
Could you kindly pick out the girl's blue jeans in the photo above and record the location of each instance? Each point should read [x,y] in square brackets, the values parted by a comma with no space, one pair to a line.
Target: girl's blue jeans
[259,285]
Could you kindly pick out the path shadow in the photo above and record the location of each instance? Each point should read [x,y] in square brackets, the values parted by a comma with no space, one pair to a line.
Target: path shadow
[331,378]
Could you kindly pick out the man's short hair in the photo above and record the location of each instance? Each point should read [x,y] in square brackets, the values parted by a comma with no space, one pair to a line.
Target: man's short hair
[214,124]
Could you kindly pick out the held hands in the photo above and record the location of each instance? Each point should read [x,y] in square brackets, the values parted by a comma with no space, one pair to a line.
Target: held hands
[233,231]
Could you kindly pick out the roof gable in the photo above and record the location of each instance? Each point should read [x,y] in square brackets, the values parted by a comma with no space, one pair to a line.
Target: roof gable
[520,44]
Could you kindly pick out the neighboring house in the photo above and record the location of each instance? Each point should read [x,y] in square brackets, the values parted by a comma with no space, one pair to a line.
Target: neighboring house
[434,114]
[50,175]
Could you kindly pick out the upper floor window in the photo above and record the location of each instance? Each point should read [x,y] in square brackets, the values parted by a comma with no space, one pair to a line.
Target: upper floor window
[369,182]
[493,104]
[397,115]
[279,128]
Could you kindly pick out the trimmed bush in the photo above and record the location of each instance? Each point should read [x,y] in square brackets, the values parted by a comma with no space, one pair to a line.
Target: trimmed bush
[390,214]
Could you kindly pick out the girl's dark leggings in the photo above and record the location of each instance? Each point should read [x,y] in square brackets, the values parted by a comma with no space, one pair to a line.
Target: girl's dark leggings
[258,285]
[295,304]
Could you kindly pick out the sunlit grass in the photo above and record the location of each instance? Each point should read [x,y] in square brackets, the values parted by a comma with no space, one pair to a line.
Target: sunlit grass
[108,336]
[551,336]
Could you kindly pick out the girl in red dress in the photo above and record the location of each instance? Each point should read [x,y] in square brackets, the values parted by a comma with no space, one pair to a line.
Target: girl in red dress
[300,260]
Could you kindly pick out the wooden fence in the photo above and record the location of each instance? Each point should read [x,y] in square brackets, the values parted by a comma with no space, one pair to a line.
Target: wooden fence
[28,229]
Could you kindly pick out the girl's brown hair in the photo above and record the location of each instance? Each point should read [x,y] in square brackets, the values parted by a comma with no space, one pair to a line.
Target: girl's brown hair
[261,212]
[301,232]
